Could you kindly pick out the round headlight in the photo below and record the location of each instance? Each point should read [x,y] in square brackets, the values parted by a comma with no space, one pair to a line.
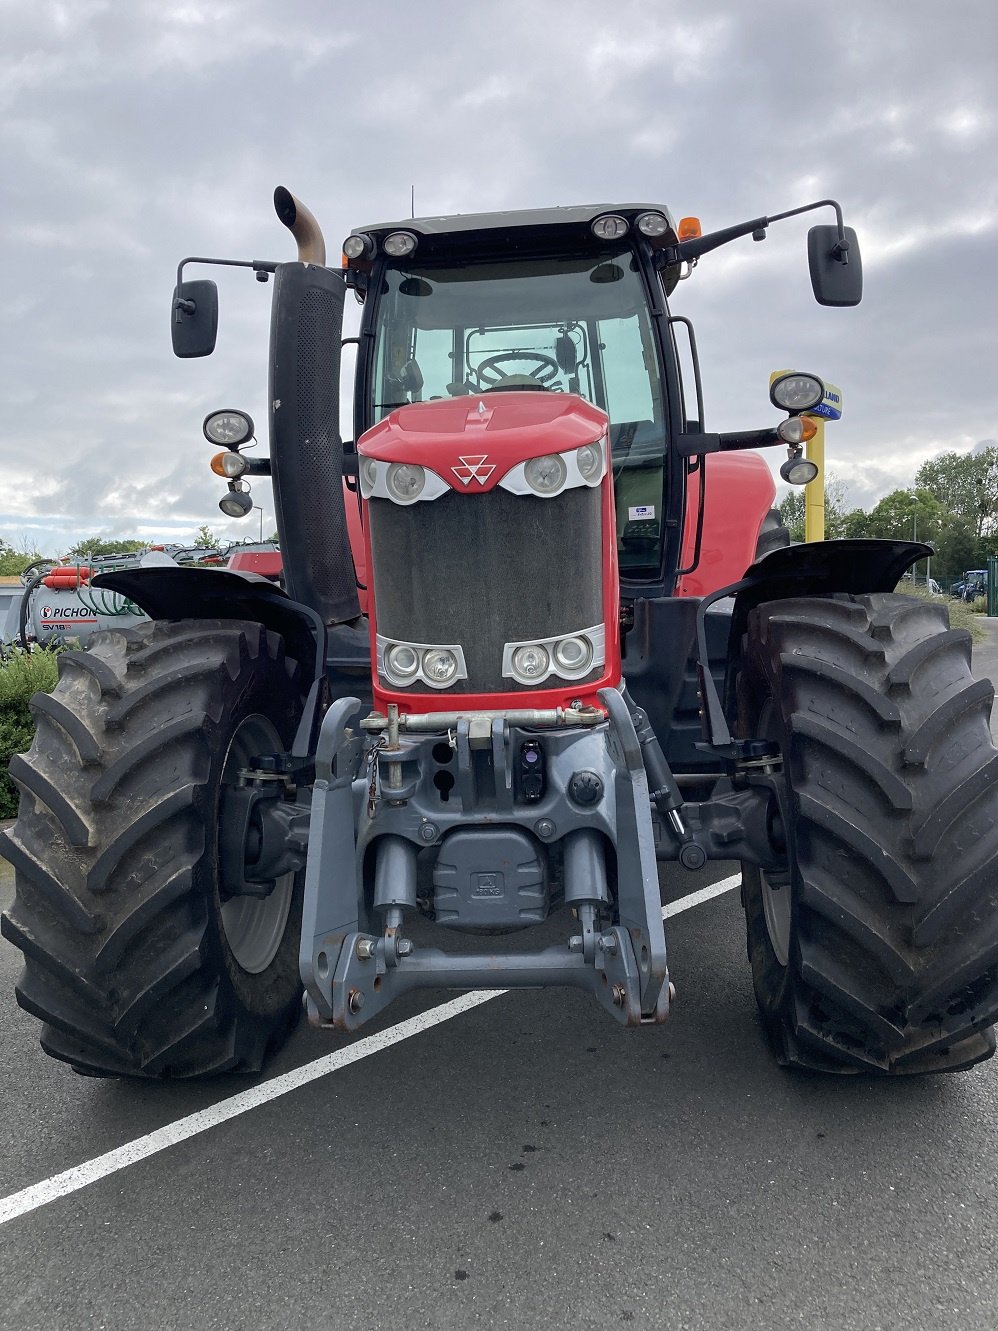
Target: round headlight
[228,427]
[439,665]
[530,663]
[590,461]
[236,504]
[545,475]
[399,244]
[796,392]
[610,227]
[652,224]
[799,471]
[573,654]
[369,473]
[356,246]
[406,480]
[401,662]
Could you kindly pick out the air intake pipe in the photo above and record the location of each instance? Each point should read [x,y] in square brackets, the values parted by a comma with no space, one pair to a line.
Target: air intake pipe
[306,451]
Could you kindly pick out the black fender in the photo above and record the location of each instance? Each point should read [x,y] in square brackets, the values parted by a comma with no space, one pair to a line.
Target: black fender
[853,567]
[206,593]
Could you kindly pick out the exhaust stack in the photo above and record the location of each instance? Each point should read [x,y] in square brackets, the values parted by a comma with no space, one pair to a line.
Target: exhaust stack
[306,451]
[302,225]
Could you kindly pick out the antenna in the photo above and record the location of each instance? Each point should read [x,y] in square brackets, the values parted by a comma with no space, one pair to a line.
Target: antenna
[412,200]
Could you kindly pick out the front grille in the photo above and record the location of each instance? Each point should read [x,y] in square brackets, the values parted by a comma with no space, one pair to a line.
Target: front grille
[486,569]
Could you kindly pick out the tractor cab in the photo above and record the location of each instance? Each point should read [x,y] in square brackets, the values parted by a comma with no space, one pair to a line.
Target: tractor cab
[561,300]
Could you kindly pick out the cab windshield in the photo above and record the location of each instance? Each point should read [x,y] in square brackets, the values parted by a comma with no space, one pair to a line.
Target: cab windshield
[576,325]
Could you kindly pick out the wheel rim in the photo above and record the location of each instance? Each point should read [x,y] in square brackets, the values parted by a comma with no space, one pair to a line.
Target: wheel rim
[777,908]
[254,926]
[776,891]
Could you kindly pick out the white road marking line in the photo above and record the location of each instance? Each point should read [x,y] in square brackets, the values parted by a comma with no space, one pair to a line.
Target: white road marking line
[698,898]
[71,1180]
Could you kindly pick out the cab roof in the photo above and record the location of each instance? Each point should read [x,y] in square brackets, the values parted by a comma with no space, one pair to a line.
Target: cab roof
[578,216]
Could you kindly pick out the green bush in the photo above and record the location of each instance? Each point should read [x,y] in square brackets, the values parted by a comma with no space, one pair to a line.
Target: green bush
[22,674]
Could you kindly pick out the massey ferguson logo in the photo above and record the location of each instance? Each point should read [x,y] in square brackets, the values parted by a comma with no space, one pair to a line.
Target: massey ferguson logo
[473,469]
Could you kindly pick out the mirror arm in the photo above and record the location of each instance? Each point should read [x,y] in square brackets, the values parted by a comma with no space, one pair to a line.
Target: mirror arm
[262,267]
[690,250]
[694,445]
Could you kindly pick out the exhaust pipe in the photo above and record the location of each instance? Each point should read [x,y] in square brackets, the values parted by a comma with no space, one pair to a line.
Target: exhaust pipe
[302,225]
[306,451]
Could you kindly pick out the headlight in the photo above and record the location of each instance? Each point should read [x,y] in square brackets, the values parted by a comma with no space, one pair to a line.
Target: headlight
[439,666]
[545,475]
[405,664]
[399,482]
[796,392]
[590,462]
[228,427]
[237,503]
[570,656]
[406,480]
[610,227]
[401,663]
[652,224]
[358,246]
[530,663]
[573,655]
[399,244]
[368,475]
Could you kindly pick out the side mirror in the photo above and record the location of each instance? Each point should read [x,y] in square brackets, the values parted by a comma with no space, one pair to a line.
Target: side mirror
[194,319]
[836,265]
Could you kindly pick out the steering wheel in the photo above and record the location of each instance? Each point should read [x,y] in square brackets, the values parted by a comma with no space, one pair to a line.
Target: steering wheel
[490,374]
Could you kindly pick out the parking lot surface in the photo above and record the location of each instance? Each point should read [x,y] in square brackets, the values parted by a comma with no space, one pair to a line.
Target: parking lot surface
[518,1162]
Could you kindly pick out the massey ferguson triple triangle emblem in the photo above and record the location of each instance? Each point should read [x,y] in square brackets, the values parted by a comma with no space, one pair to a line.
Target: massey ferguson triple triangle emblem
[473,469]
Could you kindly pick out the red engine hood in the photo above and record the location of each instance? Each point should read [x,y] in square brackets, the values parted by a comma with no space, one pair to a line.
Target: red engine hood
[482,437]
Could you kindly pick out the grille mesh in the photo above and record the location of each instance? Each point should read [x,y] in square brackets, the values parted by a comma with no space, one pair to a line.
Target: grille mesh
[488,569]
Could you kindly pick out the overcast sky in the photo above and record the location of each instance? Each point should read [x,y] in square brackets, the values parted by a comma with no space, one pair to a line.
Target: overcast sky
[135,132]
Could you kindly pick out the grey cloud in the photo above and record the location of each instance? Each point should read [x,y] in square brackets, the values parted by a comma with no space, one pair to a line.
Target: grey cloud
[136,133]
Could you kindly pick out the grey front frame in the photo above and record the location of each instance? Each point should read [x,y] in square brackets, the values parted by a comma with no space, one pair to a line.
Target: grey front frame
[353,966]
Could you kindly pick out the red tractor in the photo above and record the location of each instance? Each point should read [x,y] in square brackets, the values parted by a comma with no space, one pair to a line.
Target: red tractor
[539,631]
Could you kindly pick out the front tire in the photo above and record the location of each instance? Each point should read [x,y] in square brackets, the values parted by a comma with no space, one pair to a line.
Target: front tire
[134,962]
[877,949]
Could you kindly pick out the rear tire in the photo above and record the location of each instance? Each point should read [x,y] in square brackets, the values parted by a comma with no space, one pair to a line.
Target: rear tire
[133,962]
[878,950]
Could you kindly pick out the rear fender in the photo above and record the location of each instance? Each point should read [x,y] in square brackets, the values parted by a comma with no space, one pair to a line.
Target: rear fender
[200,593]
[819,568]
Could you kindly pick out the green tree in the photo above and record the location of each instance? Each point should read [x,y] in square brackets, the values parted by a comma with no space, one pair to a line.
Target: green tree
[907,515]
[93,546]
[13,561]
[966,485]
[206,539]
[791,509]
[957,549]
[855,524]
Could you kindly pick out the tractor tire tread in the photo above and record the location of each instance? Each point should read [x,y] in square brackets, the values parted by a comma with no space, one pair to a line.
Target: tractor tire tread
[113,850]
[893,964]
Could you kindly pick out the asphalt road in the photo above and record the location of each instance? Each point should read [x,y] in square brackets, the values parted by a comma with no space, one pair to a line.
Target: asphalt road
[523,1163]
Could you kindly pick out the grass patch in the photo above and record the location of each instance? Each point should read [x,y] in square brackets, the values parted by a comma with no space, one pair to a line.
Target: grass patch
[22,674]
[962,614]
